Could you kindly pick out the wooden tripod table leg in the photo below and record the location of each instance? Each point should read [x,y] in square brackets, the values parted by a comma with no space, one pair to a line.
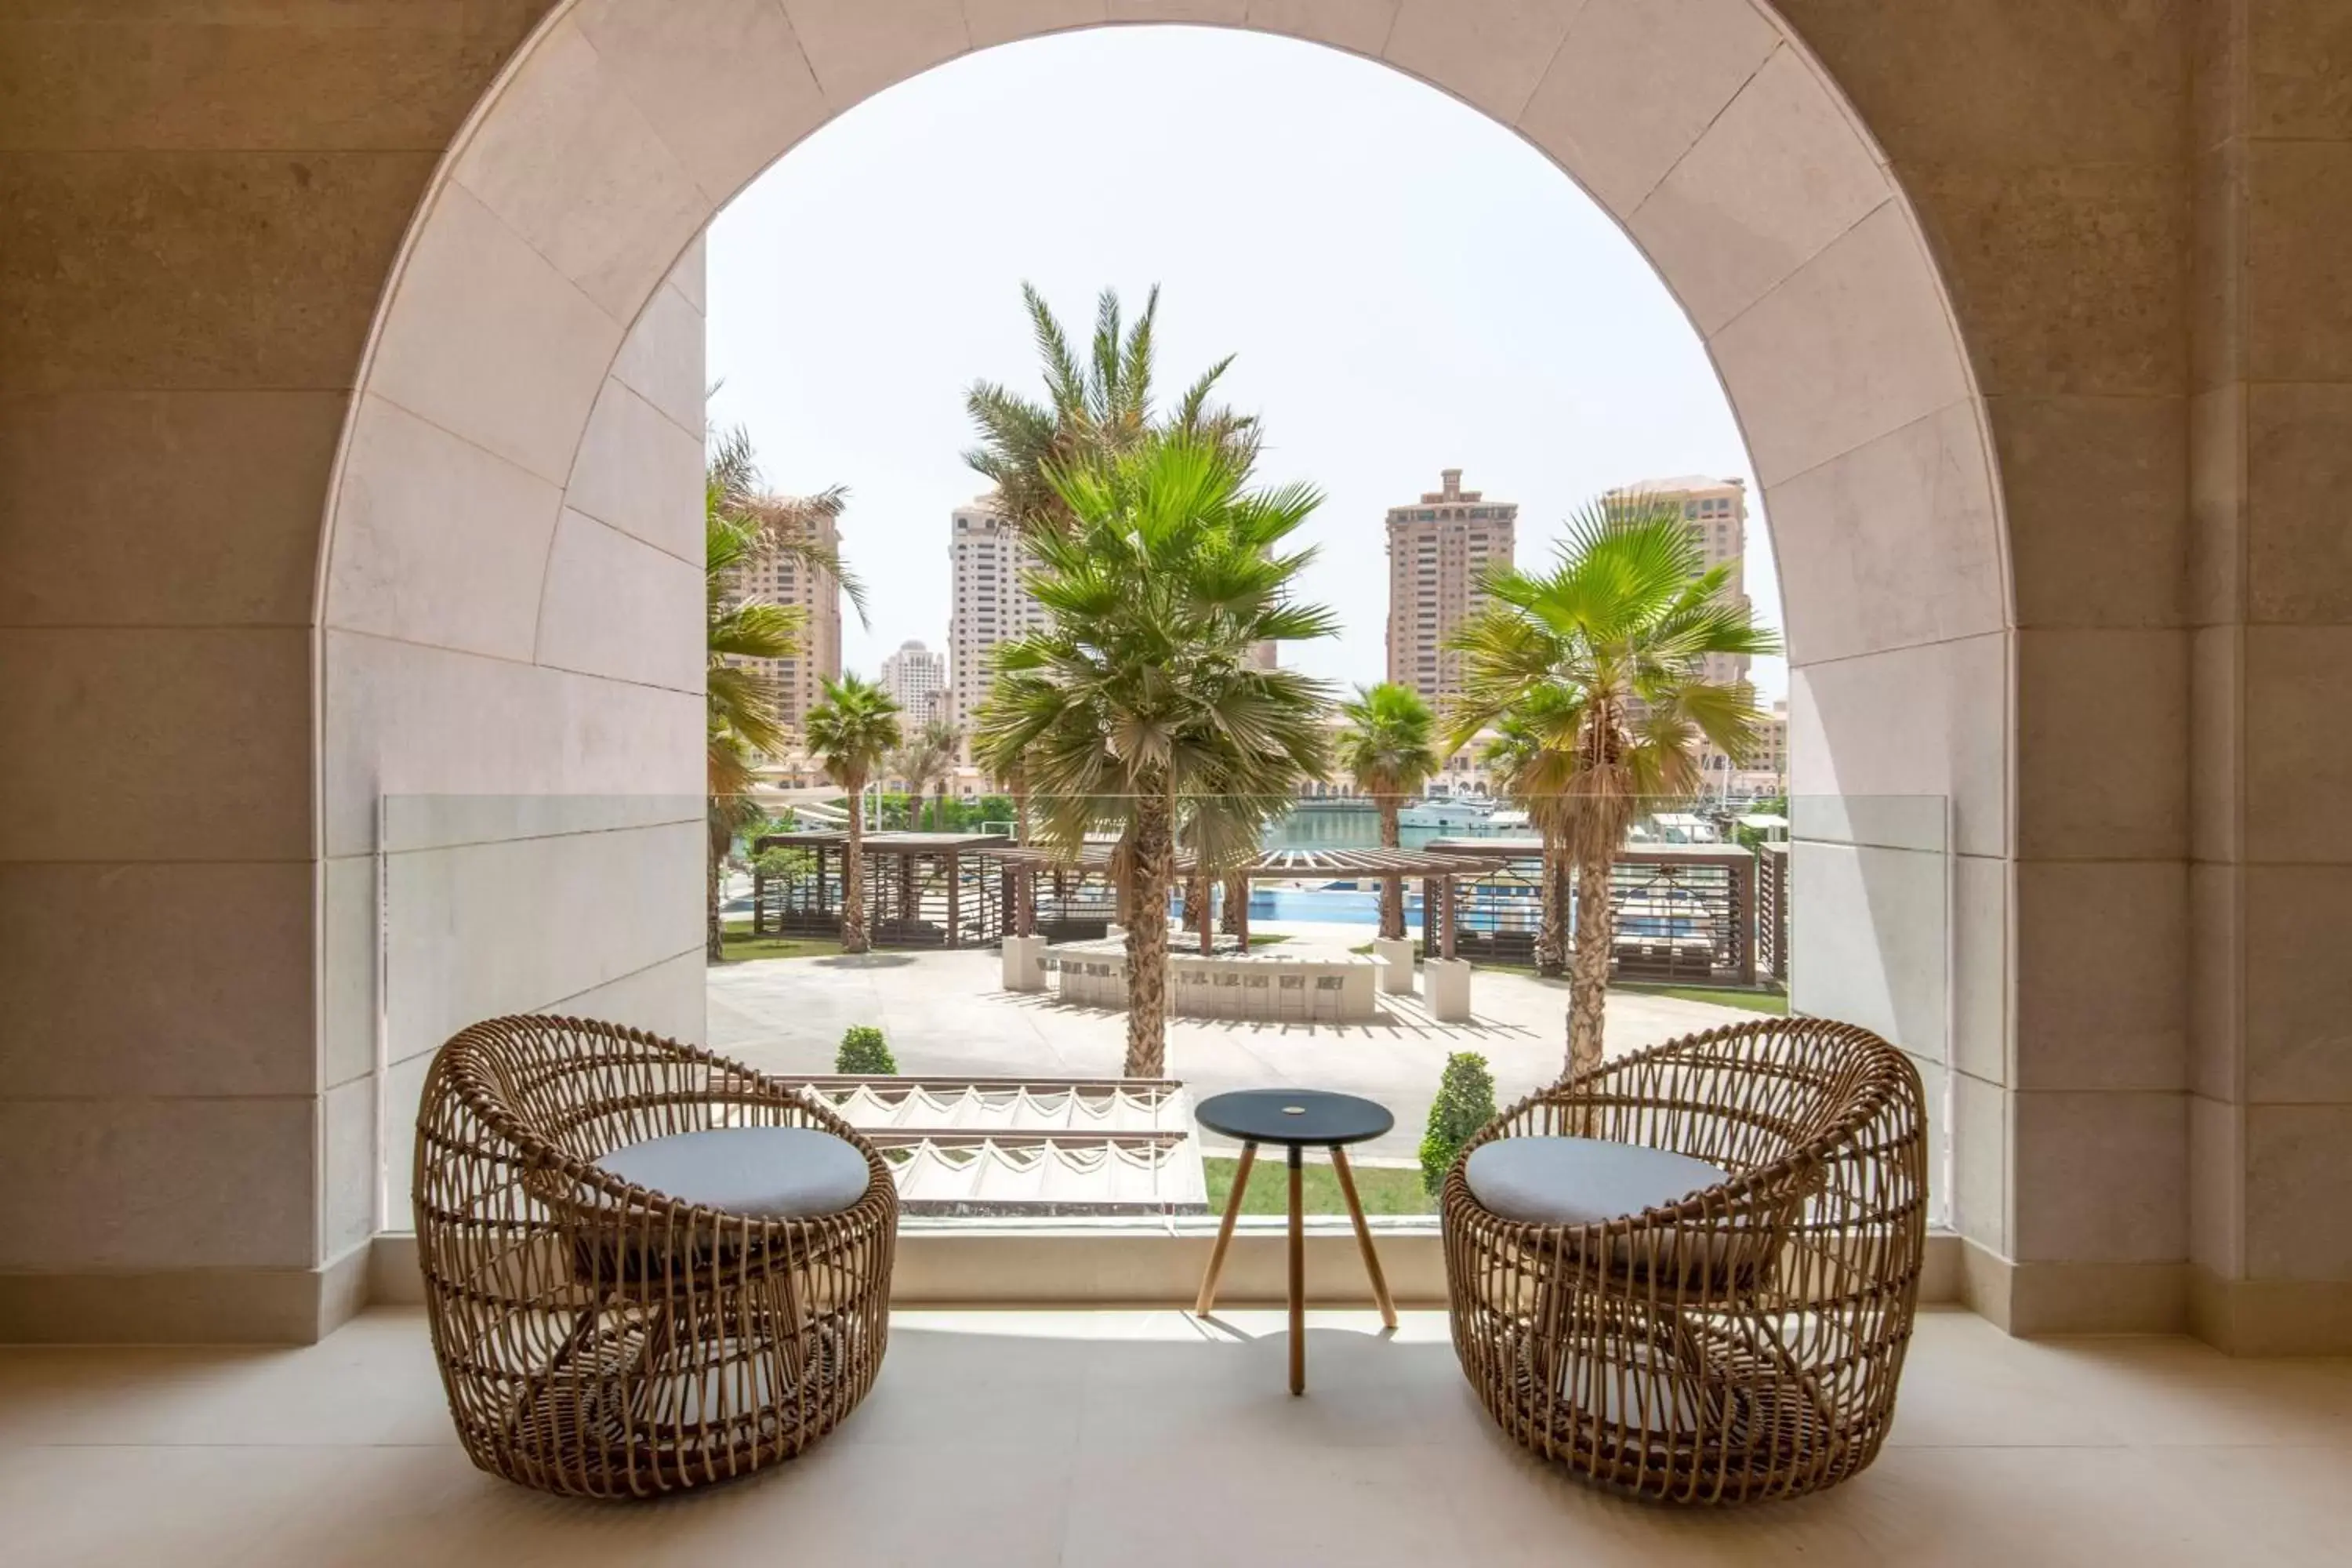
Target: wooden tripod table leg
[1298,1276]
[1208,1299]
[1363,1234]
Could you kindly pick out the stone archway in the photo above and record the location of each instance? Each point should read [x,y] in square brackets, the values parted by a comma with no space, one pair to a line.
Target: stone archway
[509,575]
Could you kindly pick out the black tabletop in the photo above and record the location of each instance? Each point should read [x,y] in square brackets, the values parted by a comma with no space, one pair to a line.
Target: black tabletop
[1294,1116]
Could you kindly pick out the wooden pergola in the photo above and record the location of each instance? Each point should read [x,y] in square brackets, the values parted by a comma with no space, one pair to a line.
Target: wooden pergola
[917,891]
[1438,873]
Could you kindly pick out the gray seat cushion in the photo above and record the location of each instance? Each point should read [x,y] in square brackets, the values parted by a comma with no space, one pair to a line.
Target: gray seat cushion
[1580,1181]
[765,1172]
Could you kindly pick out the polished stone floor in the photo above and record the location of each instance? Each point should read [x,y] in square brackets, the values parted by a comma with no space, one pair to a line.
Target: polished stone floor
[1145,1438]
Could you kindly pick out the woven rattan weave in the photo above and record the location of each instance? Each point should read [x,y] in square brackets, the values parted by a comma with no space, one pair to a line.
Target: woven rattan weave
[602,1340]
[1745,1342]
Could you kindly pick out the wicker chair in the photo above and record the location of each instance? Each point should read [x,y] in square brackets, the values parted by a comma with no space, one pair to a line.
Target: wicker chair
[600,1339]
[1742,1343]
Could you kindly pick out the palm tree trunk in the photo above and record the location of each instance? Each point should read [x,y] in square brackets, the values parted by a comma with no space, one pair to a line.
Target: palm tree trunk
[1020,814]
[1588,978]
[1391,888]
[715,938]
[1551,932]
[853,881]
[1146,944]
[719,837]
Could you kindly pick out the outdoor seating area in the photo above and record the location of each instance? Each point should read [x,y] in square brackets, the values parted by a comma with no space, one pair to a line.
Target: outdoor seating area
[1090,784]
[1690,1273]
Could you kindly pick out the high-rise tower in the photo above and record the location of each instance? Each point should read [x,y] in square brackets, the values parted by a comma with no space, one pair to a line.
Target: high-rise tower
[1439,550]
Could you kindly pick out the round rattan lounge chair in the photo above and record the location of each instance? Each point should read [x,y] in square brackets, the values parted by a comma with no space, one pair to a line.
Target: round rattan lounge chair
[600,1338]
[1736,1341]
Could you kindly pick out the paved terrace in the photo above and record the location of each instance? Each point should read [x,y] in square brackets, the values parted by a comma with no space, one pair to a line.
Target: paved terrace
[946,1013]
[1144,1438]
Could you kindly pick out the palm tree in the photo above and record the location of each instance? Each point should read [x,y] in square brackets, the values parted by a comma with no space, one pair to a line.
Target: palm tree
[1002,762]
[850,732]
[1098,407]
[1601,661]
[1140,695]
[927,758]
[1388,750]
[1536,778]
[744,526]
[742,717]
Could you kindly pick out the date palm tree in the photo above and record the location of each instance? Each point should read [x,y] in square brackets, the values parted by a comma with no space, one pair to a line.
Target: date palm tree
[850,732]
[926,758]
[1388,750]
[1097,407]
[1139,695]
[1601,661]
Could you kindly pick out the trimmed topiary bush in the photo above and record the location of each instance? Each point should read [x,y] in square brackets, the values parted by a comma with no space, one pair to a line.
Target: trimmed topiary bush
[1465,1103]
[862,1049]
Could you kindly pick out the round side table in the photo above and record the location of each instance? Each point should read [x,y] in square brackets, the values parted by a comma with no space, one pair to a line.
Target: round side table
[1295,1118]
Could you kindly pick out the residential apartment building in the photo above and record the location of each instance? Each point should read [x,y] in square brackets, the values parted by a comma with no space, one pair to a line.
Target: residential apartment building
[1715,510]
[986,551]
[783,579]
[917,681]
[1440,547]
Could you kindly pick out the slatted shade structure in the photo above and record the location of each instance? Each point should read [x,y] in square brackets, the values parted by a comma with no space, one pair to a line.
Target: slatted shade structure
[922,889]
[1685,911]
[1439,873]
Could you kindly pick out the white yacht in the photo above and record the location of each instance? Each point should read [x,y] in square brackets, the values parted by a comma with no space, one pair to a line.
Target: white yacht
[1450,815]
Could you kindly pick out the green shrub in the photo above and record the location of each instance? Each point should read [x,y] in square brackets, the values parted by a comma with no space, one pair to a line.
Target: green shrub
[1465,1103]
[862,1049]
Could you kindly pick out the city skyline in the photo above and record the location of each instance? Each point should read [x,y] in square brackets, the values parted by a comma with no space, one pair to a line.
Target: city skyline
[1412,318]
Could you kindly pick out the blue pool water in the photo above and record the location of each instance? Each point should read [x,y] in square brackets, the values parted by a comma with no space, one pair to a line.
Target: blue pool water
[1341,908]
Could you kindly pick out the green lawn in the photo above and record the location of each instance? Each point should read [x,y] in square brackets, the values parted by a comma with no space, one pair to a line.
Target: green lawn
[1384,1189]
[1719,995]
[742,945]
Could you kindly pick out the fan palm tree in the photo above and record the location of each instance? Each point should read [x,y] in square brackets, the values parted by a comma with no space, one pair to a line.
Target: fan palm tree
[1388,750]
[1602,662]
[1535,779]
[850,732]
[1098,407]
[1139,694]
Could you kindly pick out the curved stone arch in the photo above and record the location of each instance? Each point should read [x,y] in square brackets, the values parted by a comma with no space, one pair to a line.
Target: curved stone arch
[498,566]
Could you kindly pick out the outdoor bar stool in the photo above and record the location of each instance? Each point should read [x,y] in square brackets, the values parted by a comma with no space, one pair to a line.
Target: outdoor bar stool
[1291,1000]
[1690,1273]
[646,1267]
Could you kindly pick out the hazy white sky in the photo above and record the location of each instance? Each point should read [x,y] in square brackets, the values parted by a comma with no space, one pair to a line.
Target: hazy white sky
[1407,286]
